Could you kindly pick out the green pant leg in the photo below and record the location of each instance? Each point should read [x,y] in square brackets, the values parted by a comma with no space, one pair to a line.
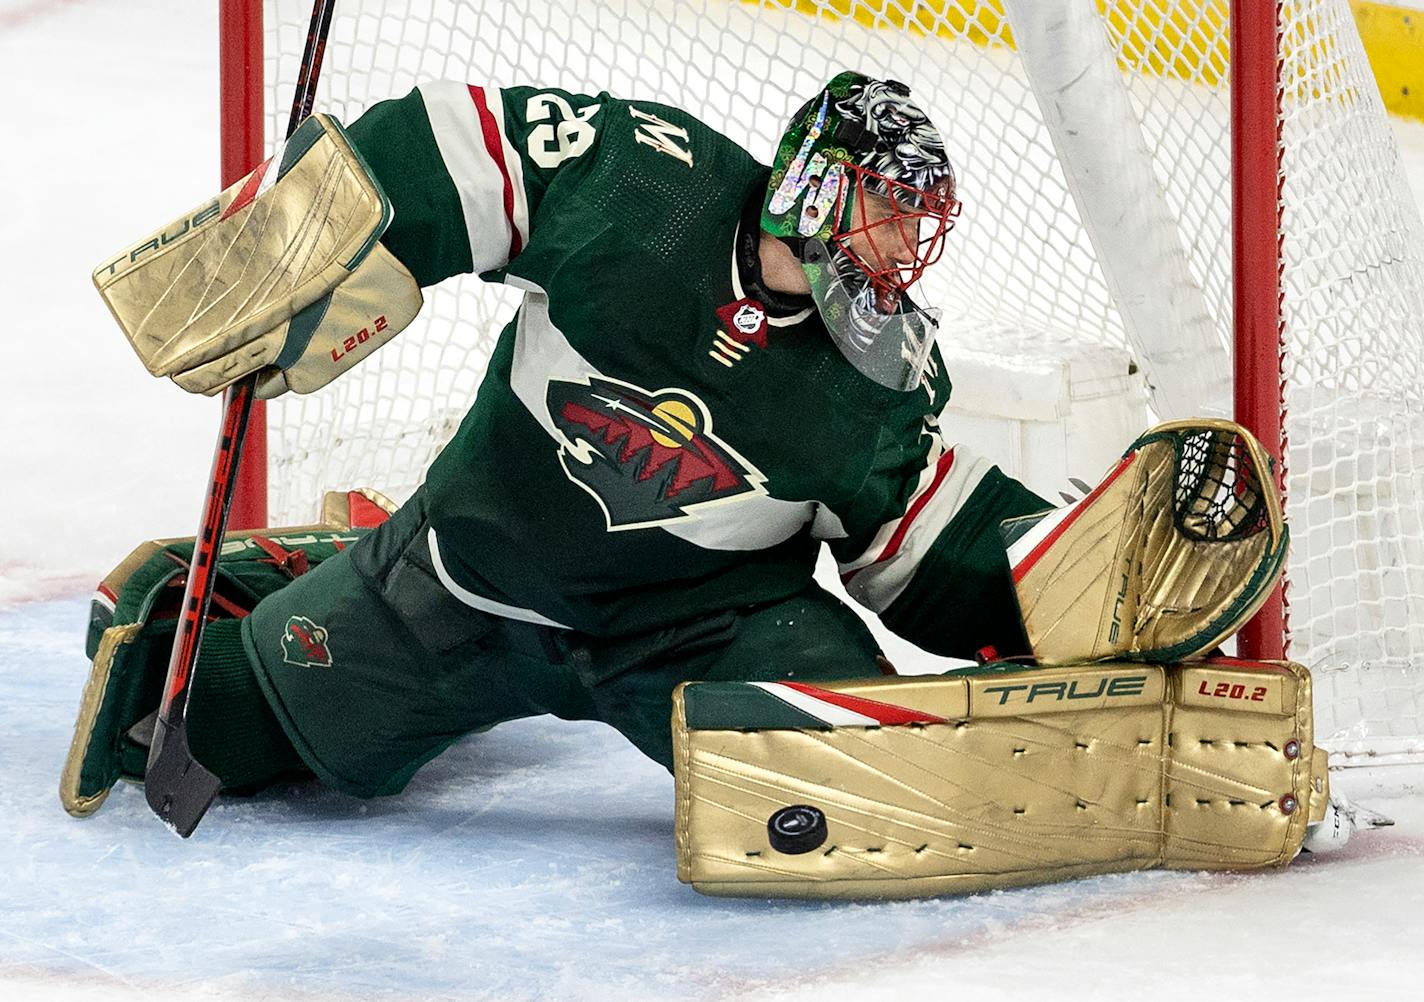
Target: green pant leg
[373,668]
[812,636]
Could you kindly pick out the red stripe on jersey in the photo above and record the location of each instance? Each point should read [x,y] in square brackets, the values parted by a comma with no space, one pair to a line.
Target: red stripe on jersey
[1026,564]
[249,190]
[495,147]
[897,538]
[885,713]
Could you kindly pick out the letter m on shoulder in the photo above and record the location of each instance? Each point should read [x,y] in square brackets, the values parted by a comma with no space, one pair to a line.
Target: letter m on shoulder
[661,136]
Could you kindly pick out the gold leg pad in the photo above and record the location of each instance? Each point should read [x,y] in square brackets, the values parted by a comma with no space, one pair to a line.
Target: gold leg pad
[962,783]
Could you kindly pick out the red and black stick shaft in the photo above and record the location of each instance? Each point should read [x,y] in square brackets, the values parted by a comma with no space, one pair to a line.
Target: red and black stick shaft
[177,786]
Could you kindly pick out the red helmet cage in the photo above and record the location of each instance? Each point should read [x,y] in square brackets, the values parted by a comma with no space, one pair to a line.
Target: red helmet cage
[910,207]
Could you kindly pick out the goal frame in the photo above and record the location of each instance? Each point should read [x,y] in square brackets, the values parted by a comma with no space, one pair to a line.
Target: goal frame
[241,148]
[1257,261]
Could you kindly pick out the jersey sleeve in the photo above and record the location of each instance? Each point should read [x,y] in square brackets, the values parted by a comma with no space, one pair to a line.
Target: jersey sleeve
[919,545]
[465,168]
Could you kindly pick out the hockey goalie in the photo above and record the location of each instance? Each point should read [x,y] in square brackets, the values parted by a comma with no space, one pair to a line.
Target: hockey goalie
[717,369]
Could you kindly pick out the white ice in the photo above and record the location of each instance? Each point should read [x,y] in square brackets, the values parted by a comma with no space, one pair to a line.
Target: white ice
[533,861]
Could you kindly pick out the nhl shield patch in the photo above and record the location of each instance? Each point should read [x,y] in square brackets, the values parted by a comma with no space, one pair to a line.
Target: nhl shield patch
[743,328]
[647,457]
[304,644]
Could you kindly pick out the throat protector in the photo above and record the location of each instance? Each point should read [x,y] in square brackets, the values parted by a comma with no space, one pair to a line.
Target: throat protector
[890,348]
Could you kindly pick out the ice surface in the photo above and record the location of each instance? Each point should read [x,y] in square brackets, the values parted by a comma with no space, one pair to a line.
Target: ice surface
[535,861]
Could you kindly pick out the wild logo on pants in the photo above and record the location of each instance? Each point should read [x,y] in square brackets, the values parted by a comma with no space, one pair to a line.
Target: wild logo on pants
[304,644]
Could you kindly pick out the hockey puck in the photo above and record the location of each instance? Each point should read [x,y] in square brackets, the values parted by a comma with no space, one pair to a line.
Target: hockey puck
[796,829]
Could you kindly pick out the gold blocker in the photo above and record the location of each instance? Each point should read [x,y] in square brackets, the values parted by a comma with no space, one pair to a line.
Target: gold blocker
[282,274]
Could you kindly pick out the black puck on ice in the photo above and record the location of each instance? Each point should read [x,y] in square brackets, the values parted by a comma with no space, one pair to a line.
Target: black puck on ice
[796,829]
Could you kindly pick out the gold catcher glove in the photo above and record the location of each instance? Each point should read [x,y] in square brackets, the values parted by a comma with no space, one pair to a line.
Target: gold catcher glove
[1167,557]
[905,787]
[282,273]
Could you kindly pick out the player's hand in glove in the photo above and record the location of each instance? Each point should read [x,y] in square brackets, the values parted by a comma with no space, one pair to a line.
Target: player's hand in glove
[1167,557]
[282,274]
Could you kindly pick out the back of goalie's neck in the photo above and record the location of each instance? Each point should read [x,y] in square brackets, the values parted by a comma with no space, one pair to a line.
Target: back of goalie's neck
[767,268]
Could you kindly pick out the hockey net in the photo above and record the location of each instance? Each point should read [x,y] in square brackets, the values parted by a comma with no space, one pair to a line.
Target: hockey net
[1113,233]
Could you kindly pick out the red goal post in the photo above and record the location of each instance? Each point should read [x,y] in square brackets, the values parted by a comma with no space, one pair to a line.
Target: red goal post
[1256,262]
[241,97]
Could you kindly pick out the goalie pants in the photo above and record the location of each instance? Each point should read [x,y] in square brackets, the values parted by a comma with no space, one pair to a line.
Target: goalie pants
[402,669]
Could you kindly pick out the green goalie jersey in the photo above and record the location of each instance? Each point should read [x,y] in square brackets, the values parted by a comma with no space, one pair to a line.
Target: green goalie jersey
[659,436]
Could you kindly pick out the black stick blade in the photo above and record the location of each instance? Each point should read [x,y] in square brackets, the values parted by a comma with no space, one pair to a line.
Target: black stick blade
[176,785]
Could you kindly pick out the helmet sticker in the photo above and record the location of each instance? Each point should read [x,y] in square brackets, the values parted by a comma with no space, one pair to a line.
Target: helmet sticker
[818,179]
[796,177]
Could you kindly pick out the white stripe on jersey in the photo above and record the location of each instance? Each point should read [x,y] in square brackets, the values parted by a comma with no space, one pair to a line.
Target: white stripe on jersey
[879,575]
[886,532]
[827,524]
[512,163]
[476,170]
[479,602]
[543,353]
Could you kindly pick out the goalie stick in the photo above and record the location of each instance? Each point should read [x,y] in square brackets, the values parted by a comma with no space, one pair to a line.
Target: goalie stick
[177,786]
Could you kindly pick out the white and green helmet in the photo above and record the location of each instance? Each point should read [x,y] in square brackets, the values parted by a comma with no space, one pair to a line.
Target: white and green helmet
[862,190]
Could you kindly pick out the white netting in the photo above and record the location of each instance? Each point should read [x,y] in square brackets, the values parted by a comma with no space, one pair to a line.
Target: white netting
[1354,320]
[1022,260]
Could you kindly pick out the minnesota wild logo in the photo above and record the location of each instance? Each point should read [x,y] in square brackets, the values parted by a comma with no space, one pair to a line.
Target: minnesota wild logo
[304,644]
[648,457]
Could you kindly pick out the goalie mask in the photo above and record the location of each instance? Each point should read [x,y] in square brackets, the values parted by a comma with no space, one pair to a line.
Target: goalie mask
[862,189]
